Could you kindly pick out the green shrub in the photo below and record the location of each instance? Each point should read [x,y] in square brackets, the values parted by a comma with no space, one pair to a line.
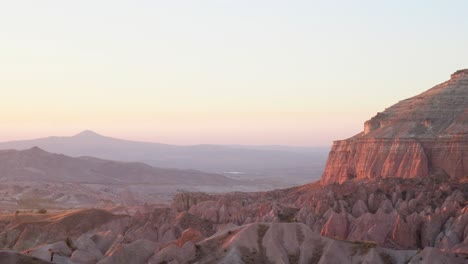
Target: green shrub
[42,211]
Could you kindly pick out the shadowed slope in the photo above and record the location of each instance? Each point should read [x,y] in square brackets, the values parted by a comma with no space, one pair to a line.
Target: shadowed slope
[38,165]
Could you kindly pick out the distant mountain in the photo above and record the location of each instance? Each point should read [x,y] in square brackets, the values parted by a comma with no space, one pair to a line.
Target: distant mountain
[37,165]
[249,161]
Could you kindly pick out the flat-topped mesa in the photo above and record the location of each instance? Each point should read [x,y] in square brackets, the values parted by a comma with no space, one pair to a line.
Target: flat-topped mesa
[413,138]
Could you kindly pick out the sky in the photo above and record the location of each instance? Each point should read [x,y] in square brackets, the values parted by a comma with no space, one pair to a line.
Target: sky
[300,73]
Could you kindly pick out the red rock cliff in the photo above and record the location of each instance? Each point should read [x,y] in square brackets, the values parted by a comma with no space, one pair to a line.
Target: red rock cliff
[419,135]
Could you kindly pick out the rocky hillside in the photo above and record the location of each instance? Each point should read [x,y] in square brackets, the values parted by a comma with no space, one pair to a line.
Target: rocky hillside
[38,165]
[393,213]
[163,235]
[248,162]
[34,179]
[413,138]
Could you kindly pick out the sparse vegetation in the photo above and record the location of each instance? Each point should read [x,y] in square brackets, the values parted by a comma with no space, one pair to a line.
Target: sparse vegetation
[288,215]
[386,258]
[294,258]
[70,243]
[262,229]
[33,202]
[317,255]
[251,257]
[42,211]
[362,247]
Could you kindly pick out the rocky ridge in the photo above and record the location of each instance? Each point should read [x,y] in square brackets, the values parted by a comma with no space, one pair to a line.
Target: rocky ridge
[393,213]
[413,138]
[285,232]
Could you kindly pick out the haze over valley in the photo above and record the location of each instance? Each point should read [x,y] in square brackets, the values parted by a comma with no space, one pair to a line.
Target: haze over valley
[33,178]
[279,165]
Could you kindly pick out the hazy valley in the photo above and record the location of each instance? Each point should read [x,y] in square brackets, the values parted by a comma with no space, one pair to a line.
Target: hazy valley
[34,179]
[269,163]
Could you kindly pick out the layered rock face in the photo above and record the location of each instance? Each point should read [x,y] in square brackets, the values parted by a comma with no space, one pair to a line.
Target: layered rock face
[424,134]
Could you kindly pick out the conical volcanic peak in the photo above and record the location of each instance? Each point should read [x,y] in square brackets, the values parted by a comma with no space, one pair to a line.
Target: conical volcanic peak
[36,151]
[88,134]
[414,138]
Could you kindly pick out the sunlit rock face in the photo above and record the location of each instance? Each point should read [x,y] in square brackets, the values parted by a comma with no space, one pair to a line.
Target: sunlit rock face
[413,138]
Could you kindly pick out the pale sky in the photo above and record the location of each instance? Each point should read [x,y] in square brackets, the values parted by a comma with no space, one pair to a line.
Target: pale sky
[219,72]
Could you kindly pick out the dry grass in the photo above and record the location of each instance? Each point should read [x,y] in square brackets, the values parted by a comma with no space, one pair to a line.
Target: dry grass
[386,258]
[362,247]
[294,258]
[27,216]
[252,257]
[317,255]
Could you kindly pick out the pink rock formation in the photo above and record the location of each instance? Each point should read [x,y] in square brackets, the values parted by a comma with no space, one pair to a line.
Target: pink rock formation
[423,134]
[394,212]
[12,257]
[383,221]
[336,226]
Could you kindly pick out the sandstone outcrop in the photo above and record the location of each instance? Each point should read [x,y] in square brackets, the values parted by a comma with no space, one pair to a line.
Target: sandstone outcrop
[396,213]
[291,243]
[382,221]
[12,257]
[424,134]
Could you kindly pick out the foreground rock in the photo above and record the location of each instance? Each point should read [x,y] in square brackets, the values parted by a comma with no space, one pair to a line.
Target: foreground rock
[385,221]
[394,213]
[279,243]
[12,257]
